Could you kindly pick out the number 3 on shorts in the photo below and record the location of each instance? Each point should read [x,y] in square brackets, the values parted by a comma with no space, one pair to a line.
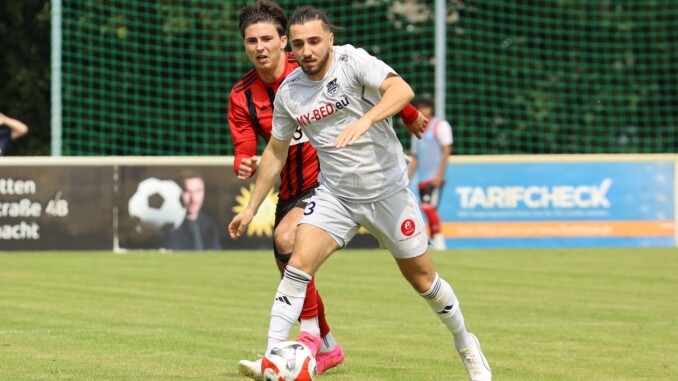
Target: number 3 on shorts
[309,208]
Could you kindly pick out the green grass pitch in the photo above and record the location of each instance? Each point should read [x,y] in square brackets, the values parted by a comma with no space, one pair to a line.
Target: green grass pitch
[584,314]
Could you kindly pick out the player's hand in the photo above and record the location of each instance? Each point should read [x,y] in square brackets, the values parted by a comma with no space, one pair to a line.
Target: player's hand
[352,132]
[418,127]
[240,223]
[247,168]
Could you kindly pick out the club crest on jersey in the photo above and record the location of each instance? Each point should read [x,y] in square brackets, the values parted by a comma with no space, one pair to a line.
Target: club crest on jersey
[332,87]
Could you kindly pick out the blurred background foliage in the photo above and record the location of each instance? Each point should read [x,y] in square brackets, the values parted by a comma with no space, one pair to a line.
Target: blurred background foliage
[25,71]
[151,77]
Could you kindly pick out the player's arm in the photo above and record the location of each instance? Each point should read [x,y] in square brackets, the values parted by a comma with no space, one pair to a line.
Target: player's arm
[444,136]
[442,166]
[414,121]
[272,161]
[245,162]
[396,93]
[18,128]
[244,139]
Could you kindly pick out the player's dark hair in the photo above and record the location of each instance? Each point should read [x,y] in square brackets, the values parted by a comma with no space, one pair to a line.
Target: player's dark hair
[307,13]
[427,102]
[262,11]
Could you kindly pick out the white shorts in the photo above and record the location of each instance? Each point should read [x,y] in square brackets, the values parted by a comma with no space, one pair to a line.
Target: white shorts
[396,221]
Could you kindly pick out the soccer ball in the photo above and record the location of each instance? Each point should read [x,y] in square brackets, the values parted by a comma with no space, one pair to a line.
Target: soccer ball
[158,203]
[288,361]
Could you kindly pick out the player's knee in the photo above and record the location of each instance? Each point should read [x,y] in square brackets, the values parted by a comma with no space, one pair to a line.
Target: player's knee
[421,281]
[421,285]
[284,240]
[297,261]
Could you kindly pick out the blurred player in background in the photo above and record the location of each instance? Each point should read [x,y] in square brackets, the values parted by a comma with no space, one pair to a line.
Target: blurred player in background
[250,113]
[429,160]
[10,129]
[343,99]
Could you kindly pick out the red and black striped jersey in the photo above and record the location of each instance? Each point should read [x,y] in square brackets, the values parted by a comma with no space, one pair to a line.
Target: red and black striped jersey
[250,114]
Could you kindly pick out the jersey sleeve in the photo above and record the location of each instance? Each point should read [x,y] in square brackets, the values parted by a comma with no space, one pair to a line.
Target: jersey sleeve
[284,124]
[374,78]
[367,69]
[243,134]
[443,133]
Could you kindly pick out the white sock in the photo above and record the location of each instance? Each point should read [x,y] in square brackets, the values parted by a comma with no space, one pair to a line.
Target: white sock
[287,305]
[444,303]
[328,343]
[310,325]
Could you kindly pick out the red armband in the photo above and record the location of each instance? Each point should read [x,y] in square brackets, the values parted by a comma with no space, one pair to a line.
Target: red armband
[409,114]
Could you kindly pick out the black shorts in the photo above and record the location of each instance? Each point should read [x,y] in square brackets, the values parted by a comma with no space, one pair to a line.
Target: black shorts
[281,210]
[284,206]
[430,194]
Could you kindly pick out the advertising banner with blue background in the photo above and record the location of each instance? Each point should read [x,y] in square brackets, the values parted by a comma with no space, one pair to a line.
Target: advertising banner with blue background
[587,204]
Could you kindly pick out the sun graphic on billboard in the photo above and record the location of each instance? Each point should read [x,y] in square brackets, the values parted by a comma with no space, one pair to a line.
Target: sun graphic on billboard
[263,222]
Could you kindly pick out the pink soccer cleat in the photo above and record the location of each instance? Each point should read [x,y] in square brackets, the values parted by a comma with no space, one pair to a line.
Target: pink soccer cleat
[328,360]
[312,342]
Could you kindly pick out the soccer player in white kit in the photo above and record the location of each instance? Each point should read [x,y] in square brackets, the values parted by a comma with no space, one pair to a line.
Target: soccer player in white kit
[343,99]
[429,161]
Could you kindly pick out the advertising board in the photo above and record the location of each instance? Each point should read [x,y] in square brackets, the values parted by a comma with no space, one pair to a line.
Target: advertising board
[56,208]
[574,204]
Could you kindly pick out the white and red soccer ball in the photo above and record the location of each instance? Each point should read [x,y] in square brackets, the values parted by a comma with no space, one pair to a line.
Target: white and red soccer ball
[288,361]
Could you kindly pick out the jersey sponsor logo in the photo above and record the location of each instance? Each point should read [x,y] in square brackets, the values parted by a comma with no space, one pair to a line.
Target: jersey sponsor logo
[289,80]
[322,112]
[332,87]
[407,227]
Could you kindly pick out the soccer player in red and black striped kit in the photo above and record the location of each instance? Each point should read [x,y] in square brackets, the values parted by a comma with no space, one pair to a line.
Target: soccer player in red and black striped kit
[250,114]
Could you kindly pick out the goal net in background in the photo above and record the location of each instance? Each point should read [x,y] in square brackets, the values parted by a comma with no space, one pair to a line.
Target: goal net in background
[152,77]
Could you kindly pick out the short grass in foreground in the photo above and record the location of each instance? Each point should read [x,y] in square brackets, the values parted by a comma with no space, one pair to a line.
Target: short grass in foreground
[540,314]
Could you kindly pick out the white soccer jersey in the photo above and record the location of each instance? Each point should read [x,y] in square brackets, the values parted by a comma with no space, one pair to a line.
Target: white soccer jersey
[428,149]
[374,166]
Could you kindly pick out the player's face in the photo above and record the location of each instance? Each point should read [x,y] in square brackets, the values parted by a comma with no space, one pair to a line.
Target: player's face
[425,110]
[193,196]
[312,48]
[265,48]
